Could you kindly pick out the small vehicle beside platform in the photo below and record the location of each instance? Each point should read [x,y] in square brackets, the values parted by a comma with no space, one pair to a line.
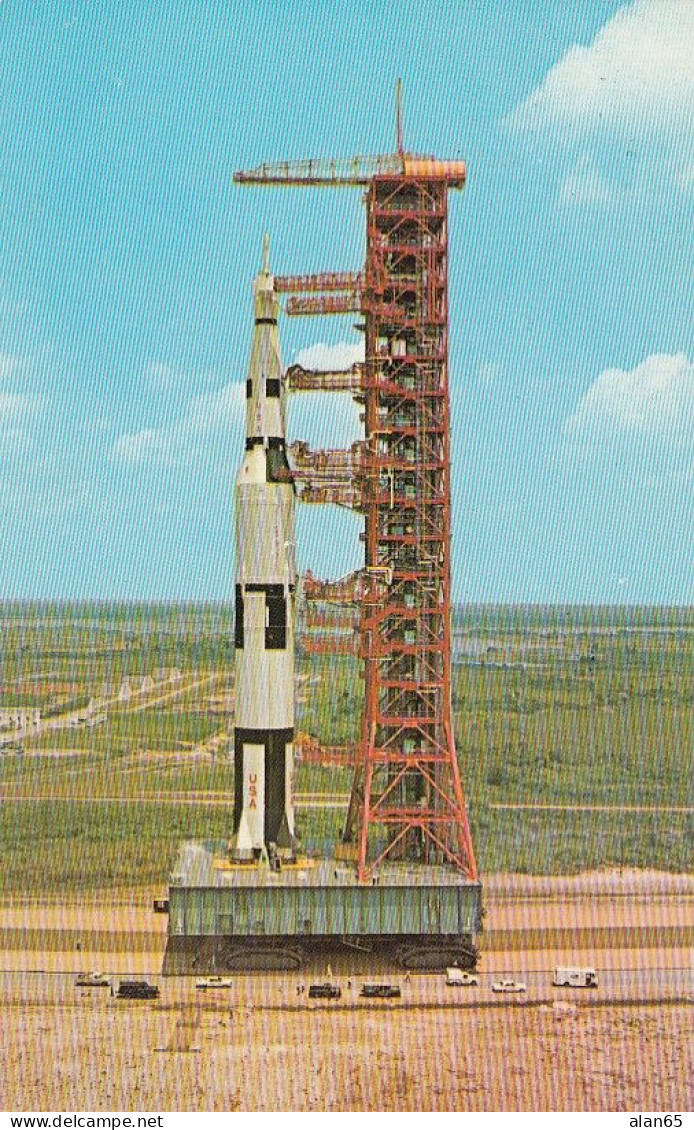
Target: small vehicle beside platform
[325,991]
[380,992]
[92,981]
[214,983]
[575,977]
[137,990]
[455,976]
[509,986]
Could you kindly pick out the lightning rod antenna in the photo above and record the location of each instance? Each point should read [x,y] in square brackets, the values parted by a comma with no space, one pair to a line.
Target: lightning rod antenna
[398,113]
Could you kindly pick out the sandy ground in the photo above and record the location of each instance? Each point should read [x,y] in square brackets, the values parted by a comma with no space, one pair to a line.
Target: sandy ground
[109,1055]
[260,1046]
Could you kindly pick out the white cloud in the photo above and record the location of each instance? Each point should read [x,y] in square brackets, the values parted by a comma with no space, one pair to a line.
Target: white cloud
[686,178]
[14,441]
[145,446]
[323,420]
[585,185]
[342,355]
[326,420]
[8,365]
[189,438]
[18,411]
[637,71]
[15,406]
[215,411]
[488,375]
[654,399]
[162,376]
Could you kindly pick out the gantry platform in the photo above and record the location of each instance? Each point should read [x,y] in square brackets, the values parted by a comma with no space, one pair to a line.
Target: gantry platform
[226,917]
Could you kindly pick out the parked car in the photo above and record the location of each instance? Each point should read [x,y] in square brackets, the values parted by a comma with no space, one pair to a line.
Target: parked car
[214,983]
[137,990]
[325,991]
[92,980]
[380,991]
[576,977]
[509,986]
[455,976]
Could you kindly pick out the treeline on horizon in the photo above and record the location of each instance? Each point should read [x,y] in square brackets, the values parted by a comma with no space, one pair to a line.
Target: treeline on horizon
[462,611]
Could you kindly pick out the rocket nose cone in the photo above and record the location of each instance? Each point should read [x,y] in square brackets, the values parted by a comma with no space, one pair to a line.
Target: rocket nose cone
[266,304]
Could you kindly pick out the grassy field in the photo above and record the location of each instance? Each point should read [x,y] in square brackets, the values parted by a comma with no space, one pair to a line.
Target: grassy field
[571,707]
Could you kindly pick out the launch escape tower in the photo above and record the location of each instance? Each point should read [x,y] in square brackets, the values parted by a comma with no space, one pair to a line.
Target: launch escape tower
[403,883]
[407,800]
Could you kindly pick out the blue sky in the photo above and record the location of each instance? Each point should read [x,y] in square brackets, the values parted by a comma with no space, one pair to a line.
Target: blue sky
[126,259]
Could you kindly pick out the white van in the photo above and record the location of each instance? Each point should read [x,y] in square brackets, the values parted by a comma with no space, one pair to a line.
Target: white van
[575,977]
[455,976]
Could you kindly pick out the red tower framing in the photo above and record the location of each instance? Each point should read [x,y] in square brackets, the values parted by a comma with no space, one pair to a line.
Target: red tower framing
[413,804]
[407,799]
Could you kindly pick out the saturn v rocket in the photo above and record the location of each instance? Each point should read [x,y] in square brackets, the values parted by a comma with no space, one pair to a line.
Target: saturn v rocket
[265,595]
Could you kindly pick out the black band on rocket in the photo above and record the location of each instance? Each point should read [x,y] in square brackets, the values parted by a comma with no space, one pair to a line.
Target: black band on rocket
[274,443]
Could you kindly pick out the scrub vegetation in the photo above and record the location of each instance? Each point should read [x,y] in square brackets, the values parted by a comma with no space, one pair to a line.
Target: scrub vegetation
[582,715]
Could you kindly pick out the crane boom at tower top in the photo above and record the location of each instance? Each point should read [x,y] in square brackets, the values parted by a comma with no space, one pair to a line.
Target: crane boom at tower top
[360,170]
[333,172]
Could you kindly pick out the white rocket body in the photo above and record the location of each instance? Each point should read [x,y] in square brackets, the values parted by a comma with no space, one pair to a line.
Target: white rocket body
[265,596]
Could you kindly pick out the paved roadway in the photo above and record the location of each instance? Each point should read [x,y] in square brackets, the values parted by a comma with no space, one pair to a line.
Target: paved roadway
[341,800]
[269,991]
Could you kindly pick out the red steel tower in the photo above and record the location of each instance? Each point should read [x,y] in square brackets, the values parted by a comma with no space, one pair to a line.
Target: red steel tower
[411,787]
[407,800]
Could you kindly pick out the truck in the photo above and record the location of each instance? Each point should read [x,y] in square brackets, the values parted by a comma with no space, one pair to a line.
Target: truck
[214,983]
[137,990]
[382,992]
[92,980]
[456,976]
[507,985]
[575,977]
[325,990]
